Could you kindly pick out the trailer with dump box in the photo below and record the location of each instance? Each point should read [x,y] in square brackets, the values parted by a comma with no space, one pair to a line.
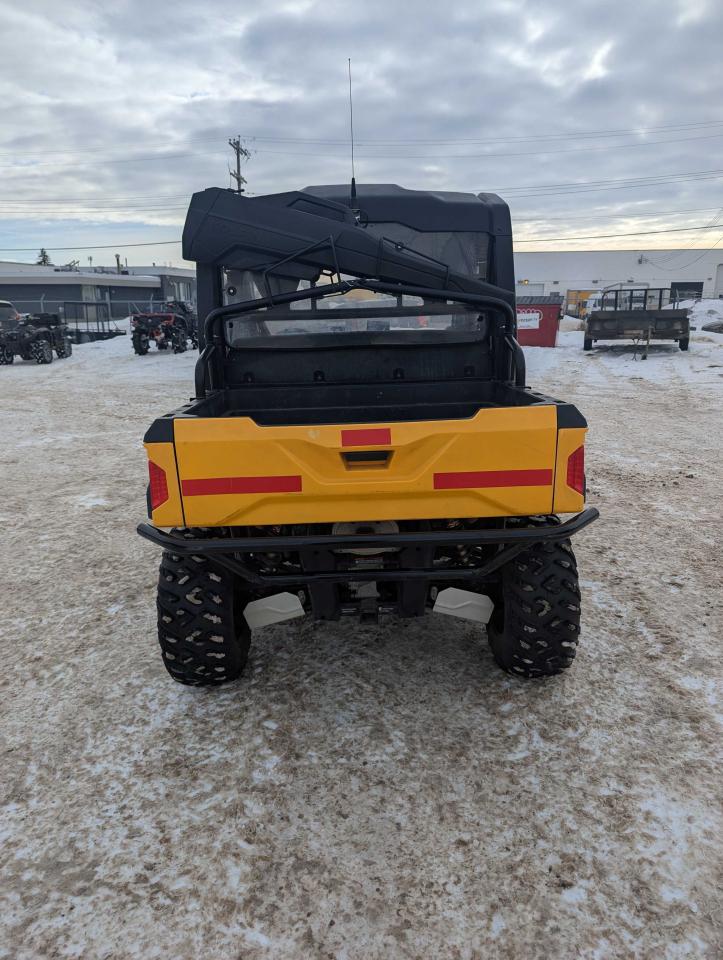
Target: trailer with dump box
[362,441]
[640,314]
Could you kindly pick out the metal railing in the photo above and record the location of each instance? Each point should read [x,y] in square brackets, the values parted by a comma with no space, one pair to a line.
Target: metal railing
[640,298]
[117,309]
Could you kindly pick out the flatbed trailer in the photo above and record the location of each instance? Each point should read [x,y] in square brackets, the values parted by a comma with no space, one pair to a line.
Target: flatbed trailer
[641,315]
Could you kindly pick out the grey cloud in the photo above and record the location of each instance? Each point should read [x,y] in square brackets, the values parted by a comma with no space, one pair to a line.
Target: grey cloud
[143,78]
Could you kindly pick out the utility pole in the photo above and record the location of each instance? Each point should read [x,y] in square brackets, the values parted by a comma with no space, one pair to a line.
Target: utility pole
[240,151]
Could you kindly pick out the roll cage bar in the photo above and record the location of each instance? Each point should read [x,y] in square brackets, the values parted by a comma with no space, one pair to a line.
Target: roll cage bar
[299,236]
[209,367]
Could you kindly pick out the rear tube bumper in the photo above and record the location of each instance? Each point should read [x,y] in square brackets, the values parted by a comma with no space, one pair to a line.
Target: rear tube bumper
[229,551]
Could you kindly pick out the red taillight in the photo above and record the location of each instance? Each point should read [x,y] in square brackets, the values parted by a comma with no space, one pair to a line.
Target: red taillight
[159,486]
[576,470]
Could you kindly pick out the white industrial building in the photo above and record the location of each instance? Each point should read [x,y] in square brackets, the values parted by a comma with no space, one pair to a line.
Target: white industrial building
[33,288]
[576,274]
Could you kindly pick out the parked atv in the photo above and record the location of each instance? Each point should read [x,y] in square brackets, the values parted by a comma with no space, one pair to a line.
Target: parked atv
[384,458]
[32,337]
[167,329]
[184,310]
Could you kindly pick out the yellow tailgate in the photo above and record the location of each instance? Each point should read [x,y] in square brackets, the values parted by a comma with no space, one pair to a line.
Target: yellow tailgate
[501,462]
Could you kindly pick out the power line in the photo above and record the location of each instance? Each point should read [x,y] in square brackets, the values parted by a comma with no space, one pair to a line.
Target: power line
[612,216]
[530,138]
[583,183]
[592,134]
[369,156]
[180,201]
[106,160]
[99,246]
[488,156]
[606,185]
[154,243]
[44,199]
[690,263]
[579,186]
[606,236]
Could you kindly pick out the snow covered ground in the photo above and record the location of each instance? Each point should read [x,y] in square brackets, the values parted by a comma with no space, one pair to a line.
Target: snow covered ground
[360,793]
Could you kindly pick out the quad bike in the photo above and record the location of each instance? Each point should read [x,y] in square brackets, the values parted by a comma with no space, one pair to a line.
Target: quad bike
[32,337]
[182,309]
[382,459]
[168,330]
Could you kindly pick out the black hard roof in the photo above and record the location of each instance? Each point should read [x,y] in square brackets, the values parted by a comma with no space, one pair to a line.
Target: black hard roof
[426,210]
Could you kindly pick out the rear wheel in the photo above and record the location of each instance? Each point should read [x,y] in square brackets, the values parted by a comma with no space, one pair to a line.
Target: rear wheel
[203,635]
[587,343]
[179,338]
[535,626]
[140,344]
[41,351]
[6,356]
[64,349]
[684,343]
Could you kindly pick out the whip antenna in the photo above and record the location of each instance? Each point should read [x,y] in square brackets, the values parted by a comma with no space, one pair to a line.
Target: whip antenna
[351,134]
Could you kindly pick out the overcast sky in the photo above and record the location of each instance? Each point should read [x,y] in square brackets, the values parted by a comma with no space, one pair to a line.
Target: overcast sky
[111,115]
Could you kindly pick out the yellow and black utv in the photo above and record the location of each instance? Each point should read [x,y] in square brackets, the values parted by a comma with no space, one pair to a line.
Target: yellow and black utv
[362,440]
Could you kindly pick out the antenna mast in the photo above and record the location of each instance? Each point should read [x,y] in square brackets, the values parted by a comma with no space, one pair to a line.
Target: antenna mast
[351,132]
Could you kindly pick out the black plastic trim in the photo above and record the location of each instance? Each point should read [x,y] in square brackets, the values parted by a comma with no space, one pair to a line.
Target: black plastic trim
[568,416]
[160,431]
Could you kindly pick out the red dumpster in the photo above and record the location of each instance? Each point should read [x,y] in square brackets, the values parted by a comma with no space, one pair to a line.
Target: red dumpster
[538,319]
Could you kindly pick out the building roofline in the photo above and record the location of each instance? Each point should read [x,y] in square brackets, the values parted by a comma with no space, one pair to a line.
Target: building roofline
[71,277]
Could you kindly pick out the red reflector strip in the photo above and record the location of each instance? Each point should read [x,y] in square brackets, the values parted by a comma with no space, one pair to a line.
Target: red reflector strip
[224,485]
[366,438]
[576,470]
[158,484]
[492,478]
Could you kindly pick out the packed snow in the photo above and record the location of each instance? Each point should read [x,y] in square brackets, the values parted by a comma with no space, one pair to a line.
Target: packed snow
[361,793]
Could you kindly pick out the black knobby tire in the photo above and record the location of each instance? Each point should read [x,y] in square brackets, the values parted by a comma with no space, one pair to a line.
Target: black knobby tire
[203,635]
[140,344]
[65,349]
[6,356]
[179,338]
[41,351]
[684,343]
[534,629]
[587,343]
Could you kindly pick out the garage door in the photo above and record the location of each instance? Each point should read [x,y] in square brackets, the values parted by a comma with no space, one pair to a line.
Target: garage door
[686,289]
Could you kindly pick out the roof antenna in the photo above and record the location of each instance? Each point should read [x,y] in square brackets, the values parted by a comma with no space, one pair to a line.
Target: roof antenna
[352,195]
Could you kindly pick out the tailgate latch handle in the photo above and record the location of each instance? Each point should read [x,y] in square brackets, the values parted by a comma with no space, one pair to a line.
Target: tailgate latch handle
[354,459]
